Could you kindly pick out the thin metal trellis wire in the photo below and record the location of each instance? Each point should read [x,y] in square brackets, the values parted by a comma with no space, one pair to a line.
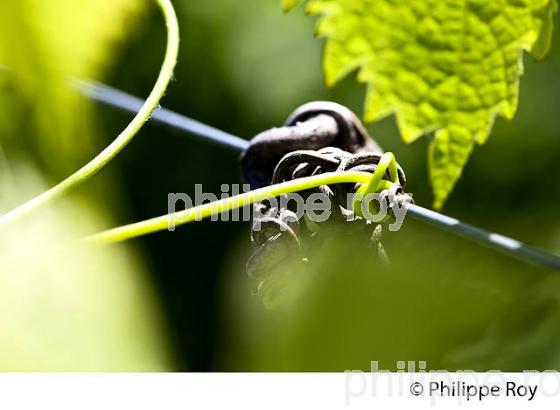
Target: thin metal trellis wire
[124,101]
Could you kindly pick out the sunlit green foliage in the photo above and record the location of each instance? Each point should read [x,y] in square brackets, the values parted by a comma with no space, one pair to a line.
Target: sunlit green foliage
[444,67]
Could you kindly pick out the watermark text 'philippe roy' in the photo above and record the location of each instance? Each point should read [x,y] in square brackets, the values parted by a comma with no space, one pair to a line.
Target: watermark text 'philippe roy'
[232,206]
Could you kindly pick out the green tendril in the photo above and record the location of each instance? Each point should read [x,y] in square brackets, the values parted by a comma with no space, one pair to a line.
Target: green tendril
[197,213]
[111,151]
[164,222]
[376,182]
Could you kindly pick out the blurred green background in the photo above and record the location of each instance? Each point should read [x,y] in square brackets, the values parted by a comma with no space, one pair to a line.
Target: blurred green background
[181,301]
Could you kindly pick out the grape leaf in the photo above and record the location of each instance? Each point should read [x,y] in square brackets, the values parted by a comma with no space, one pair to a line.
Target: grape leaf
[444,67]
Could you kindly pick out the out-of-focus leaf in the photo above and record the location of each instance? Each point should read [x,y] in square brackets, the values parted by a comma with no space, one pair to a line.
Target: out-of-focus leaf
[43,44]
[527,334]
[444,67]
[65,307]
[446,302]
